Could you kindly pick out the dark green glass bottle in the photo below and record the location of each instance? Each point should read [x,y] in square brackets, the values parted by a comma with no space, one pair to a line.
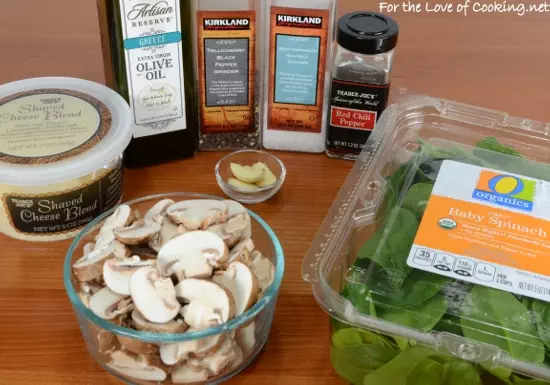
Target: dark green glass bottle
[148,54]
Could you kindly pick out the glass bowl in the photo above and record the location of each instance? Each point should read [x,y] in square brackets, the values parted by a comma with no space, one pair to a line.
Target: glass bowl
[252,328]
[248,158]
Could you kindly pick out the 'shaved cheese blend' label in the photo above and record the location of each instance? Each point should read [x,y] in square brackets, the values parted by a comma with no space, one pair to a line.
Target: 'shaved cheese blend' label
[152,42]
[488,227]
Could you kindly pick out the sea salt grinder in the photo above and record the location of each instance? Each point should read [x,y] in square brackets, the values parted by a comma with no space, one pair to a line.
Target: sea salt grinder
[361,76]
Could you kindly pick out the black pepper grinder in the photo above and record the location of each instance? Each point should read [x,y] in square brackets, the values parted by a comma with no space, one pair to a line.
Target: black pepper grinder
[361,77]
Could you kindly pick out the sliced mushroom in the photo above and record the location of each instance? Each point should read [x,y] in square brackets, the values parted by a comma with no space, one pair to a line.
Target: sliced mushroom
[209,303]
[220,360]
[90,266]
[88,248]
[172,354]
[158,210]
[137,346]
[144,253]
[117,273]
[121,250]
[189,374]
[171,327]
[154,295]
[235,209]
[85,298]
[241,283]
[242,251]
[132,366]
[108,305]
[169,230]
[231,231]
[139,232]
[123,216]
[192,255]
[239,358]
[246,338]
[264,270]
[198,214]
[90,287]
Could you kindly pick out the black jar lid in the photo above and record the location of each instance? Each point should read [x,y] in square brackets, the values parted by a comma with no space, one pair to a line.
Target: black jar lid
[368,33]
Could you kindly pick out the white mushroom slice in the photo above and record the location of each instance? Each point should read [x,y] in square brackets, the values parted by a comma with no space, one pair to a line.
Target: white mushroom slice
[239,358]
[117,273]
[231,231]
[242,251]
[171,327]
[220,360]
[241,283]
[189,374]
[123,216]
[137,346]
[90,287]
[246,338]
[85,298]
[138,233]
[154,295]
[234,209]
[158,210]
[192,255]
[90,266]
[172,354]
[264,270]
[131,366]
[198,214]
[105,303]
[209,303]
[88,248]
[121,250]
[168,231]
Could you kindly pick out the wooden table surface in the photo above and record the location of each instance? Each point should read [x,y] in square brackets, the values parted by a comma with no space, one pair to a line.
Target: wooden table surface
[499,61]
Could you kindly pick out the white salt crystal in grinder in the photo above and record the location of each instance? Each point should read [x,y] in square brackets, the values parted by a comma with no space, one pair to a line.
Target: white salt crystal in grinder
[361,76]
[296,79]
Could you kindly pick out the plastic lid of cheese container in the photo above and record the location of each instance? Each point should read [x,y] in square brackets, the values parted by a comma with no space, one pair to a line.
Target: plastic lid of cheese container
[56,129]
[433,260]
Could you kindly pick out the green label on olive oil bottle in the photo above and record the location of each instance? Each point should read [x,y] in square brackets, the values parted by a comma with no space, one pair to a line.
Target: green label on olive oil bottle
[152,45]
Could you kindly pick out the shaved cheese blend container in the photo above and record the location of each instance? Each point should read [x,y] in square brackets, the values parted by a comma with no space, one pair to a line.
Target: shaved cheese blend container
[61,146]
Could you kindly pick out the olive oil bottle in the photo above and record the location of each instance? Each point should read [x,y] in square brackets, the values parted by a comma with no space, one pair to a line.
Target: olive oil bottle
[148,56]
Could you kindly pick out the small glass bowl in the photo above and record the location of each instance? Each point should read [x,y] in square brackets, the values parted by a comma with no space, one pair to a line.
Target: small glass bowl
[248,158]
[101,336]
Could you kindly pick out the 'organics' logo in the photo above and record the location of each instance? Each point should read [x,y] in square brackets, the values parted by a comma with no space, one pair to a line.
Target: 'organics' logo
[505,190]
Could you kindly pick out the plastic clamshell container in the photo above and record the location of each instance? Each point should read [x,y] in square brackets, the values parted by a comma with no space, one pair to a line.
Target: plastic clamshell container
[394,322]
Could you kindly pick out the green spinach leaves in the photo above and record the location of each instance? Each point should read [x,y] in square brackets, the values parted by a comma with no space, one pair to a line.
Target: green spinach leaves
[382,285]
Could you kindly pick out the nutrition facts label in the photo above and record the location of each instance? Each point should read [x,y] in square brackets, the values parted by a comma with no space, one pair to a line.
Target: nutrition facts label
[488,228]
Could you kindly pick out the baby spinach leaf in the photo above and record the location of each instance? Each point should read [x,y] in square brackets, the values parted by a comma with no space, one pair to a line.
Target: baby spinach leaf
[398,370]
[460,372]
[450,323]
[417,198]
[390,245]
[426,372]
[356,352]
[418,287]
[395,184]
[498,318]
[541,311]
[360,296]
[423,316]
[492,144]
[516,380]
